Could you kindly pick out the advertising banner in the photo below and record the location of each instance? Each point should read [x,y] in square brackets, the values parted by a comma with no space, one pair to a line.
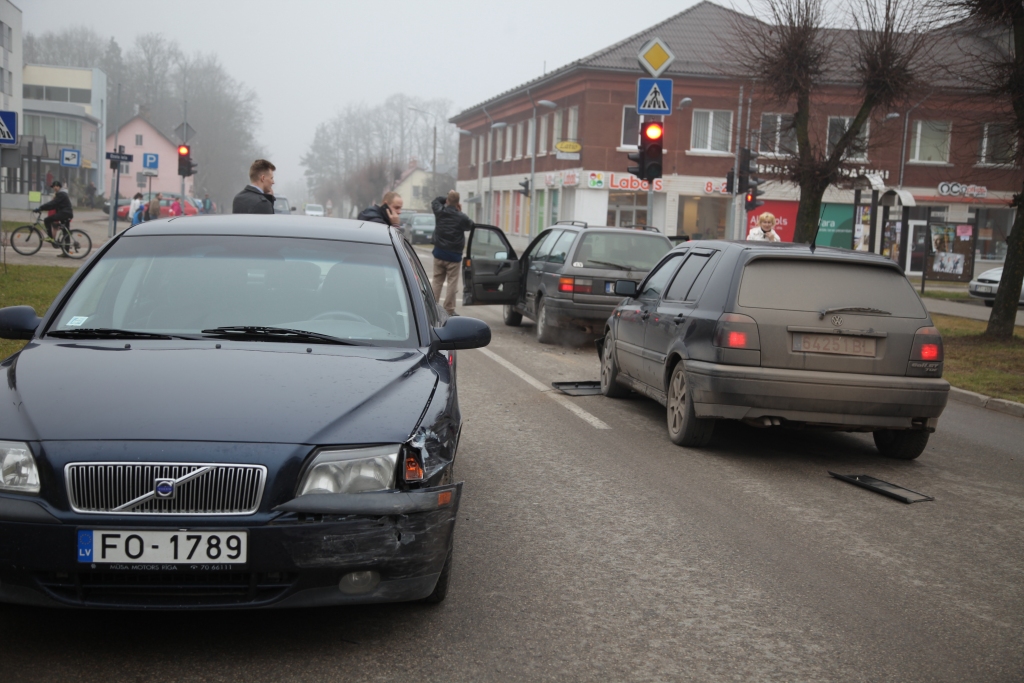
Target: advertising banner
[836,226]
[951,253]
[785,217]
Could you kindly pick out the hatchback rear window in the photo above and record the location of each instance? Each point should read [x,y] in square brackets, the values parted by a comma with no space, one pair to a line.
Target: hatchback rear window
[802,285]
[622,251]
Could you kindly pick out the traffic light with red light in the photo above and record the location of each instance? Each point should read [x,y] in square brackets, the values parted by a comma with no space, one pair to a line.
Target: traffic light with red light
[186,167]
[651,149]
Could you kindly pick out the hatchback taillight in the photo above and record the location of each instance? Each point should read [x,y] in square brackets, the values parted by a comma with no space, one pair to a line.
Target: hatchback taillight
[575,285]
[927,345]
[737,331]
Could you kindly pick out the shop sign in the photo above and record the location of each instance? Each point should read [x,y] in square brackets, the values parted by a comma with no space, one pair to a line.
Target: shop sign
[568,146]
[570,178]
[947,189]
[835,228]
[628,182]
[715,187]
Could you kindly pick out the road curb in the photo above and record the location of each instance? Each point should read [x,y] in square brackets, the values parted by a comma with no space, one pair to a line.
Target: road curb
[982,401]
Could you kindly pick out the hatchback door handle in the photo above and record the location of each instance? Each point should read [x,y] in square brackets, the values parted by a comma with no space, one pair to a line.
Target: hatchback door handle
[645,315]
[679,319]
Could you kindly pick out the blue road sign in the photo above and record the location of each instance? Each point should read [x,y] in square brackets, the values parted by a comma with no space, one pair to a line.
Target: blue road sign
[654,96]
[8,128]
[70,157]
[150,160]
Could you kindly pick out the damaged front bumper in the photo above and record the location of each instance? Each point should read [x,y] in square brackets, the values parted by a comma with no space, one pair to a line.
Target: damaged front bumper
[296,559]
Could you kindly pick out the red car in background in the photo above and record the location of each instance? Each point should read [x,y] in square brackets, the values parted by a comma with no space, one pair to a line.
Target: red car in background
[191,206]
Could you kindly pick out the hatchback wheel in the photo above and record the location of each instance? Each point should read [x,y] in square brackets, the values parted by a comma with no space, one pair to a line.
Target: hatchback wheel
[684,427]
[511,316]
[900,444]
[609,370]
[545,333]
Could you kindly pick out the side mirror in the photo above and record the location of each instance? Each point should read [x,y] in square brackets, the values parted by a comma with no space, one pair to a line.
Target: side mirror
[501,256]
[461,333]
[294,208]
[20,322]
[625,288]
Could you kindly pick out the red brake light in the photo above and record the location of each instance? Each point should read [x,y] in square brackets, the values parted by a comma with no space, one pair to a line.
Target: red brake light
[927,345]
[737,340]
[565,284]
[929,351]
[737,331]
[578,285]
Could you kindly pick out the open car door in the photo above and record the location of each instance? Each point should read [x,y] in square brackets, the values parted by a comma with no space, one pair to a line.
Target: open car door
[491,273]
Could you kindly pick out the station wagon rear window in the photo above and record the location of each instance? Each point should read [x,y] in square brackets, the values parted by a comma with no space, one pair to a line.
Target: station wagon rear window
[621,251]
[805,285]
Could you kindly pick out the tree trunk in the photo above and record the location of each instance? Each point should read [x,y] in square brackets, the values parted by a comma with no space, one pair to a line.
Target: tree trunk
[809,212]
[1004,310]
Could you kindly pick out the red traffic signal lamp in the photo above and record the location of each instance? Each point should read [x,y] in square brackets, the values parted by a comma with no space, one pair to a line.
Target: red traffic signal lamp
[186,167]
[653,131]
[651,149]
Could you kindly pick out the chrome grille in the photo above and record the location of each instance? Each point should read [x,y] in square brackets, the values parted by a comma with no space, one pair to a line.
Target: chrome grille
[130,489]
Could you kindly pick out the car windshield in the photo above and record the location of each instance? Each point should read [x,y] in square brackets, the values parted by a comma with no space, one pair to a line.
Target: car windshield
[805,285]
[184,284]
[621,251]
[426,220]
[281,205]
[314,207]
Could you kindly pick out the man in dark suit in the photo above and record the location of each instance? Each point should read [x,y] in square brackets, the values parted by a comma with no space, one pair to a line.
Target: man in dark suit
[256,197]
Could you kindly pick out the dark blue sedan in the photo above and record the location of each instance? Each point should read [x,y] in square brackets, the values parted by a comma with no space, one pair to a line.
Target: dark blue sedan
[233,411]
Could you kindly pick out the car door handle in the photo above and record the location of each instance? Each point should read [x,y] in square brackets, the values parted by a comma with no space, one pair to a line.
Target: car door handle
[679,319]
[645,315]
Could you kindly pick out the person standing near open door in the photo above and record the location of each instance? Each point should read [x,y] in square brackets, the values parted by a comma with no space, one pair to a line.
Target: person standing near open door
[449,243]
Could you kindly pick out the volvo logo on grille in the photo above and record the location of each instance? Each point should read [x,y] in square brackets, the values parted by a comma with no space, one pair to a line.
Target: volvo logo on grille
[164,488]
[837,320]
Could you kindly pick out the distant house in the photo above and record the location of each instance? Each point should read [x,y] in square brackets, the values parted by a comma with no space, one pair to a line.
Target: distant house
[415,185]
[139,137]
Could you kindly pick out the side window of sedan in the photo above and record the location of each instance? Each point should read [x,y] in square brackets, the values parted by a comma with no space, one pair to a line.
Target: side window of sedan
[659,277]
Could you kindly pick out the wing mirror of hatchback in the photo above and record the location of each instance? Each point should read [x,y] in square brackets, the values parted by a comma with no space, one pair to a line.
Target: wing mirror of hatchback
[501,256]
[625,288]
[461,333]
[20,322]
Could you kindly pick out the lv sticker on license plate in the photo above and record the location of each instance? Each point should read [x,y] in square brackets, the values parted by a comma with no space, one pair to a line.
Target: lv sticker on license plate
[162,547]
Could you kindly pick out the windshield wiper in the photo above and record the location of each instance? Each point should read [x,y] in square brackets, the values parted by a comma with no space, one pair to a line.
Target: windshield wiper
[106,333]
[276,334]
[851,309]
[613,265]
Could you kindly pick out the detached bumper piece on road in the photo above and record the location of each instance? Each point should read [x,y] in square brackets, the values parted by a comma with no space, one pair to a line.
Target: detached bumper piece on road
[325,549]
[885,488]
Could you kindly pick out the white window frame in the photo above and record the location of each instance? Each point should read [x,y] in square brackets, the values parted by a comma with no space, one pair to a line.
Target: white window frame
[774,152]
[915,143]
[508,142]
[499,144]
[472,152]
[983,156]
[531,137]
[490,145]
[865,133]
[556,129]
[519,140]
[542,138]
[622,129]
[574,124]
[138,139]
[711,127]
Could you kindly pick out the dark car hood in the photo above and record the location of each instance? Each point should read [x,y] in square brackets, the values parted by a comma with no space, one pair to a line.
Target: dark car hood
[244,392]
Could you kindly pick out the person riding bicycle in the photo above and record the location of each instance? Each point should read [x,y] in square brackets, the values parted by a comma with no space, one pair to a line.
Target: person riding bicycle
[61,207]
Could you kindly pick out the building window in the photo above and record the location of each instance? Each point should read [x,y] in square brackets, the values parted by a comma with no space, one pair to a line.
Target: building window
[56,94]
[711,130]
[138,141]
[56,131]
[519,140]
[574,124]
[837,127]
[556,128]
[32,92]
[472,152]
[542,139]
[3,36]
[630,127]
[508,143]
[931,142]
[125,168]
[498,137]
[490,142]
[416,190]
[778,136]
[531,136]
[998,144]
[80,95]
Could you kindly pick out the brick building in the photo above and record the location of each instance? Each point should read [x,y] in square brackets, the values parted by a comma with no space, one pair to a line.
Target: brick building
[955,168]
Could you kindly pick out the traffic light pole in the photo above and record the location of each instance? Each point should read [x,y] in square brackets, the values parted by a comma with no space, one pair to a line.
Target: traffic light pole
[184,136]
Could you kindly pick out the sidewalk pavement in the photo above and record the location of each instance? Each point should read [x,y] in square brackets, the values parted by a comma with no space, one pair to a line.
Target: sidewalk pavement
[943,307]
[92,221]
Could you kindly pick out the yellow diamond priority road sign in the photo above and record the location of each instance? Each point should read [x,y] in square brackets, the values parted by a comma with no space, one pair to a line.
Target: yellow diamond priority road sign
[655,57]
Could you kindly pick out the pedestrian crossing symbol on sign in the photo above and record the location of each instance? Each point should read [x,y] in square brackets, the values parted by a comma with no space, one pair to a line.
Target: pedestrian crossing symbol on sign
[8,128]
[654,96]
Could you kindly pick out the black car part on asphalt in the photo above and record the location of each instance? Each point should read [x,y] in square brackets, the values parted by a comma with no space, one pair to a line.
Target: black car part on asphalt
[899,493]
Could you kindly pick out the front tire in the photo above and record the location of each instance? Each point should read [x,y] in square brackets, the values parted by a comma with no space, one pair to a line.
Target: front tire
[684,427]
[79,246]
[26,240]
[990,303]
[610,387]
[511,316]
[545,333]
[900,444]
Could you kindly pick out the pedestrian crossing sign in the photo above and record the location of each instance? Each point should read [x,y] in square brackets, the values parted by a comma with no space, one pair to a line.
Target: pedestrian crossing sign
[8,128]
[654,96]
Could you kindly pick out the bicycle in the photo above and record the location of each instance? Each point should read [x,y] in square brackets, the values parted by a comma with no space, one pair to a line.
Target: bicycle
[28,239]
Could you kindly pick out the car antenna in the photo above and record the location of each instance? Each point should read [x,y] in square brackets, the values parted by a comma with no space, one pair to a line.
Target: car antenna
[814,237]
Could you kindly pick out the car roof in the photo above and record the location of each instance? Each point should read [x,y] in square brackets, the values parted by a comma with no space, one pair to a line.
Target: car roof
[789,249]
[602,228]
[276,225]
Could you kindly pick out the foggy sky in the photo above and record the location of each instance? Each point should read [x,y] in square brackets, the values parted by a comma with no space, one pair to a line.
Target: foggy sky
[306,59]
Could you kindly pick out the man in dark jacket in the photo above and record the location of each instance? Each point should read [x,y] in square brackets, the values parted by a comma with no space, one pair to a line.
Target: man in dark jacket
[60,205]
[450,224]
[256,197]
[387,212]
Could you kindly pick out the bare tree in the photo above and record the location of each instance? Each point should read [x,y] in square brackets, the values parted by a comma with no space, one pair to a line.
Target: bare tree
[794,54]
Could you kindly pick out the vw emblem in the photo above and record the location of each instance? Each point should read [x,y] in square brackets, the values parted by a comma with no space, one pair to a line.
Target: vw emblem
[164,488]
[837,320]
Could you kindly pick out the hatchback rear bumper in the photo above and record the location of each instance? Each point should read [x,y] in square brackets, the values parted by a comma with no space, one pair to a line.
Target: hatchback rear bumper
[833,399]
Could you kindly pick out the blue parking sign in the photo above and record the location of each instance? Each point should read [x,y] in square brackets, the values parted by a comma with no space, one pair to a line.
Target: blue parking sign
[8,128]
[150,160]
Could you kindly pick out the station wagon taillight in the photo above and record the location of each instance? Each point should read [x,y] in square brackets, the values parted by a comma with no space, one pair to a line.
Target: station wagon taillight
[927,345]
[575,285]
[737,331]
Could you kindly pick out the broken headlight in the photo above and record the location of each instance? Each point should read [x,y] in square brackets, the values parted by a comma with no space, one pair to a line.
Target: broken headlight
[351,471]
[18,472]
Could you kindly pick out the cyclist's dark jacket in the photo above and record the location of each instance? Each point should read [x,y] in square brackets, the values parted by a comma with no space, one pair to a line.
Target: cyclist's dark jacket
[60,203]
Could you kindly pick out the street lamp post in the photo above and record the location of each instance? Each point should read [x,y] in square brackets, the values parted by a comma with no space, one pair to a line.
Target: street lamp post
[533,155]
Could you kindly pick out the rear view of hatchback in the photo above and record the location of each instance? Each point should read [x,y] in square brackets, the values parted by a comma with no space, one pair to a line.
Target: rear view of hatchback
[784,336]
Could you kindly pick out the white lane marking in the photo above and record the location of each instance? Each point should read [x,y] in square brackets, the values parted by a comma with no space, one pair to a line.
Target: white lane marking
[589,418]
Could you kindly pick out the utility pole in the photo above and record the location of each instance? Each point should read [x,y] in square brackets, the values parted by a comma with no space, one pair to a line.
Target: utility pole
[112,219]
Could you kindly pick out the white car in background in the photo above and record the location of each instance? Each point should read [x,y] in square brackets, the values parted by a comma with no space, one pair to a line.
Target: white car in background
[314,210]
[985,285]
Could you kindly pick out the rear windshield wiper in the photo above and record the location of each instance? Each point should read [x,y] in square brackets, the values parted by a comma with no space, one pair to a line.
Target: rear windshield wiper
[106,333]
[609,263]
[275,334]
[851,309]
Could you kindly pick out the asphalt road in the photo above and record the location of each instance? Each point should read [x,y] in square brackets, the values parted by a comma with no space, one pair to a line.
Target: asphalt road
[591,548]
